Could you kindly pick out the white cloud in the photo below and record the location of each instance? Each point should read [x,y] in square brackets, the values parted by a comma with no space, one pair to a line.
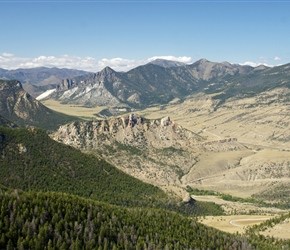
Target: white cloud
[5,54]
[277,58]
[120,64]
[9,61]
[184,59]
[255,64]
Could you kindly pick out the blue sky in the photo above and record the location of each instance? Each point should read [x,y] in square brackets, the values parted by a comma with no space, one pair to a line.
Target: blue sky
[123,34]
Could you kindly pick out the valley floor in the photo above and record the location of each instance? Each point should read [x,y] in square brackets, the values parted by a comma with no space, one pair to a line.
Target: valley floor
[239,217]
[263,168]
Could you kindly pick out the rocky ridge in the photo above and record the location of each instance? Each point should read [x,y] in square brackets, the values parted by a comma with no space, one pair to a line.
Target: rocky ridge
[17,106]
[158,151]
[155,83]
[37,80]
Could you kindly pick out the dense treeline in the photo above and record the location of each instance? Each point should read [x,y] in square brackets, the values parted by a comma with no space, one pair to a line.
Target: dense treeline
[59,221]
[30,160]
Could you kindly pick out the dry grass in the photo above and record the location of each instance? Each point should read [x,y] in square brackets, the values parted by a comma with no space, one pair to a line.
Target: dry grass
[231,207]
[239,222]
[256,125]
[234,223]
[73,110]
[264,129]
[281,230]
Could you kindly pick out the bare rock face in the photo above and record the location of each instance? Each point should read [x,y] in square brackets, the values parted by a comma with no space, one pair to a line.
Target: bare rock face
[187,198]
[19,107]
[17,104]
[157,151]
[132,130]
[65,85]
[158,82]
[165,121]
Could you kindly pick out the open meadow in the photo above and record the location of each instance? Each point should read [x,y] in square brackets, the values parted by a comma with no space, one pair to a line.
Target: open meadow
[72,109]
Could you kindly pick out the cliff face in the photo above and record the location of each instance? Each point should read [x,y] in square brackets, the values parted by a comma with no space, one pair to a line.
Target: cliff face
[17,106]
[158,151]
[131,130]
[15,102]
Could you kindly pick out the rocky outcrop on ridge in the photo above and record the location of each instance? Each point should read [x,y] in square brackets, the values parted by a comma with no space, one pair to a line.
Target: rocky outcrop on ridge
[158,151]
[19,107]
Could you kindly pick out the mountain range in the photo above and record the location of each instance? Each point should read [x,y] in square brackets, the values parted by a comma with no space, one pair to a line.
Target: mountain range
[224,128]
[152,84]
[37,80]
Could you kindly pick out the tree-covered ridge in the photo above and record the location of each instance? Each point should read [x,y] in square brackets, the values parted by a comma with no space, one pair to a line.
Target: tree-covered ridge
[60,221]
[31,161]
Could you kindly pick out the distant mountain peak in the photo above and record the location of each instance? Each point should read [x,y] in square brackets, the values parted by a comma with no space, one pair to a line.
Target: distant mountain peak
[37,80]
[226,63]
[202,60]
[107,69]
[160,81]
[167,63]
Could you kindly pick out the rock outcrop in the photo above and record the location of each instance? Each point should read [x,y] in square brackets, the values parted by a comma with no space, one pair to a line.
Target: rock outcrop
[19,107]
[157,151]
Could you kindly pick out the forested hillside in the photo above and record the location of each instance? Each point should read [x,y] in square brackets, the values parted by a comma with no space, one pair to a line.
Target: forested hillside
[60,221]
[31,161]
